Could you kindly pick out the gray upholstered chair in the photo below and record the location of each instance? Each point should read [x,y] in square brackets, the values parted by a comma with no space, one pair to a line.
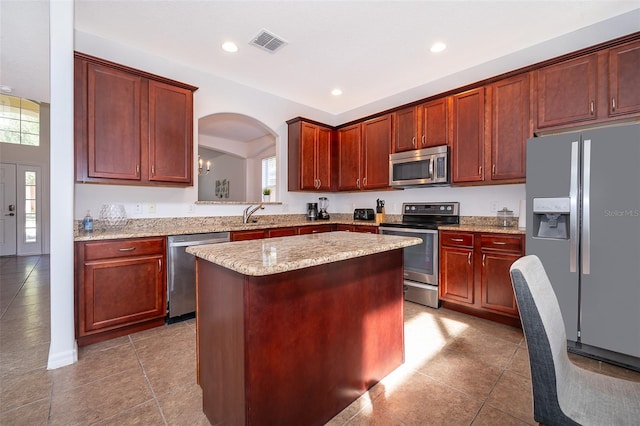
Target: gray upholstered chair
[563,393]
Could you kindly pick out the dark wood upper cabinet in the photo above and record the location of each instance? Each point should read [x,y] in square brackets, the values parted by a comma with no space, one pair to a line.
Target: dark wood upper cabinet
[434,121]
[349,155]
[422,126]
[363,154]
[113,123]
[310,156]
[624,79]
[467,148]
[376,147]
[405,129]
[131,127]
[567,92]
[170,125]
[510,128]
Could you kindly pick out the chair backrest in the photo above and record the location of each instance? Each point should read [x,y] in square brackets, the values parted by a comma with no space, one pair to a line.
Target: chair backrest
[544,331]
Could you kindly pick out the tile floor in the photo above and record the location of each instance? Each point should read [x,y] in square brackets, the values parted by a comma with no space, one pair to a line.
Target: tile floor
[459,370]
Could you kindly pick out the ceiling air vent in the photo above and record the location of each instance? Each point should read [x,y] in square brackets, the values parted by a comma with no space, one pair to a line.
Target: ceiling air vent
[267,41]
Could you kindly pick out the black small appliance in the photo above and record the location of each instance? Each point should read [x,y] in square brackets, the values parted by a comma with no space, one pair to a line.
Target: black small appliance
[312,211]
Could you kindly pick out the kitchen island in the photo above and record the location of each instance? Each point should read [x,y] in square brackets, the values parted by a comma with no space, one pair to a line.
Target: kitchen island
[291,330]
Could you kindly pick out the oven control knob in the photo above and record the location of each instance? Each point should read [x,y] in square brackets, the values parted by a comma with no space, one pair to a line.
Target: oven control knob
[413,207]
[407,208]
[441,207]
[449,208]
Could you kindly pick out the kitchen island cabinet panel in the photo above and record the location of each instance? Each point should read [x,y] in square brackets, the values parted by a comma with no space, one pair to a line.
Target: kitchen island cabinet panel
[285,347]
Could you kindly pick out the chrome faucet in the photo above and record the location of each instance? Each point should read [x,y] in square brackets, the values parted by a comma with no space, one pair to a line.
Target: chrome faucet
[247,213]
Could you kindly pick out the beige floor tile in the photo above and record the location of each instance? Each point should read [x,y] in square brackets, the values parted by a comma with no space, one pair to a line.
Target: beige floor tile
[183,406]
[144,414]
[96,365]
[513,395]
[33,414]
[374,416]
[23,389]
[489,416]
[484,347]
[170,369]
[14,339]
[417,399]
[173,330]
[16,362]
[462,373]
[100,399]
[519,364]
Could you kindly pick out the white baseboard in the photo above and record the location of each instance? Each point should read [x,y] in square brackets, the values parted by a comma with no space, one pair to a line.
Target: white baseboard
[61,359]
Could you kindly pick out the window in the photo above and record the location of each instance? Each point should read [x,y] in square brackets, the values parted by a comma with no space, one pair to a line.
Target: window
[269,174]
[19,121]
[30,218]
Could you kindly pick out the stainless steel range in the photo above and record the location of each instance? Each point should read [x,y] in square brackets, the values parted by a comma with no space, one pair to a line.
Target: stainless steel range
[421,261]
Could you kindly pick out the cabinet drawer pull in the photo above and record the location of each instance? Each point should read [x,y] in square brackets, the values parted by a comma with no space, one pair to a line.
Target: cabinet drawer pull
[423,140]
[127,249]
[457,240]
[413,141]
[469,258]
[159,265]
[499,243]
[483,256]
[591,108]
[493,169]
[364,181]
[613,103]
[358,183]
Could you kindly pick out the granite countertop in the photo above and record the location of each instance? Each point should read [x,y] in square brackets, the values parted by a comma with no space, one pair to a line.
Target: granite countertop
[136,228]
[283,254]
[483,228]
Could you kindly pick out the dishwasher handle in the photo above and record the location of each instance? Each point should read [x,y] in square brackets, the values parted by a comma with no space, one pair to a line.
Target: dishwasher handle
[198,242]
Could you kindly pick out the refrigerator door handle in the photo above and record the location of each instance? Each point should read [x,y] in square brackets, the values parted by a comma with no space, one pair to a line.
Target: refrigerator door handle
[573,209]
[586,216]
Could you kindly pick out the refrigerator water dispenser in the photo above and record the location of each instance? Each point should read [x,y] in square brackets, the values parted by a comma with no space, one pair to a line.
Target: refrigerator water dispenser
[551,218]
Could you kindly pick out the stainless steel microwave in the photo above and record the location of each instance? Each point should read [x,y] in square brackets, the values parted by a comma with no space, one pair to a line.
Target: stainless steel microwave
[422,167]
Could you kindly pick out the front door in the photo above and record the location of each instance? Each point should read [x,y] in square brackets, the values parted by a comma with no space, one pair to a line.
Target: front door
[8,215]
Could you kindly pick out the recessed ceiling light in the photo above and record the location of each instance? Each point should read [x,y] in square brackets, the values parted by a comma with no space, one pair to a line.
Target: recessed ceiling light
[438,47]
[229,46]
[336,92]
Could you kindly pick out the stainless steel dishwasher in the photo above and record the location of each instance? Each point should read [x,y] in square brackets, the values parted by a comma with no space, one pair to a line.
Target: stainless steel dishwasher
[181,272]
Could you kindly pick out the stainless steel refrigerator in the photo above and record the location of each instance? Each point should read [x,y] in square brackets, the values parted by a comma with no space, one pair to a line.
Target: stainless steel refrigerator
[583,216]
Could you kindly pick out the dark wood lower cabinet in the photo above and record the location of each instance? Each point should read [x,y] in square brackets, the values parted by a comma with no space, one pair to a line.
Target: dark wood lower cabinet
[474,274]
[120,287]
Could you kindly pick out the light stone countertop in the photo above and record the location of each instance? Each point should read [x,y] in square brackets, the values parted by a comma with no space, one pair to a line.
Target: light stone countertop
[137,228]
[483,228]
[283,254]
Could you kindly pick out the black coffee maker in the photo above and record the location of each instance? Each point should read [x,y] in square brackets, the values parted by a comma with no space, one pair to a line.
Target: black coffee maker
[312,211]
